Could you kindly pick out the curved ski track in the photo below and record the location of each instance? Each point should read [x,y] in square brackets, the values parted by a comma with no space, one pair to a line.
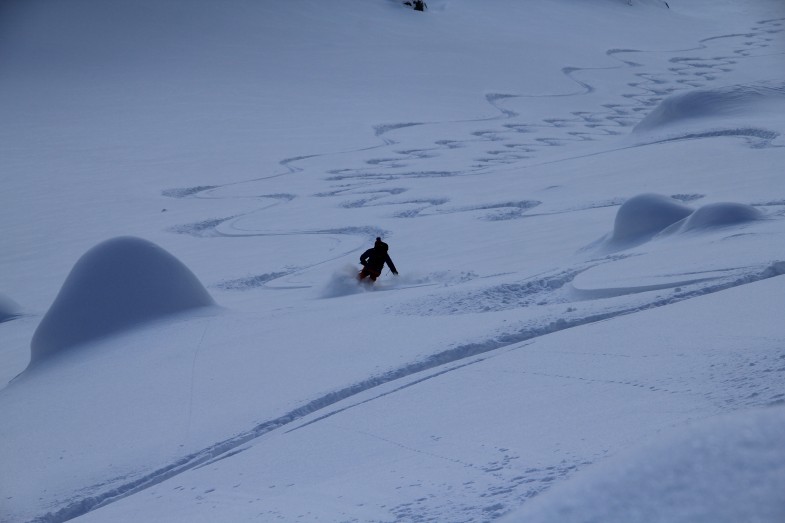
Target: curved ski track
[505,139]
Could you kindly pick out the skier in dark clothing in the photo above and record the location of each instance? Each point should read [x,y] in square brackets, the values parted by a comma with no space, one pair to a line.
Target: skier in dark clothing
[373,261]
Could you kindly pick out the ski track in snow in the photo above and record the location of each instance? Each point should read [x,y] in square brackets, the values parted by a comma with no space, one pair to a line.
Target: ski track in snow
[501,140]
[417,372]
[504,139]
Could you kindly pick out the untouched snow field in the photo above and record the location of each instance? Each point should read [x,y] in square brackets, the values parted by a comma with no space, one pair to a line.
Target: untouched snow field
[585,201]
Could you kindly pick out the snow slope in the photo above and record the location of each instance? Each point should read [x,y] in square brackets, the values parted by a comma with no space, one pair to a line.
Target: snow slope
[729,469]
[584,201]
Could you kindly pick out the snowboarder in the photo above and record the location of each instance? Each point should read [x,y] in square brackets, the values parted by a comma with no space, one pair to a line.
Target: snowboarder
[373,261]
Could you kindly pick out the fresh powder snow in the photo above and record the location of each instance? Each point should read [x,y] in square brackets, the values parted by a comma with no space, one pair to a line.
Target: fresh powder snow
[584,200]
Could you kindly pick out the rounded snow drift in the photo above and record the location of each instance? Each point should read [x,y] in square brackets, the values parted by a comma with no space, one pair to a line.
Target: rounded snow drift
[641,217]
[8,308]
[721,214]
[702,104]
[116,284]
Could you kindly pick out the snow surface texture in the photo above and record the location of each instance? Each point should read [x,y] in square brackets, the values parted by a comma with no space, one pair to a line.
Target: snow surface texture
[118,284]
[268,143]
[721,471]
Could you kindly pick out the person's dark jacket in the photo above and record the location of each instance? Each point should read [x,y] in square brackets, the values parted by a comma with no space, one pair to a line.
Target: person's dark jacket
[375,258]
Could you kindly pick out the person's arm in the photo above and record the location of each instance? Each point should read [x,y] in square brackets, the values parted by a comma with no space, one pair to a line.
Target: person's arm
[364,256]
[391,265]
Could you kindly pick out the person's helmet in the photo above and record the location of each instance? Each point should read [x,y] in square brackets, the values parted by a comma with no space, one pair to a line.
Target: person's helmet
[379,244]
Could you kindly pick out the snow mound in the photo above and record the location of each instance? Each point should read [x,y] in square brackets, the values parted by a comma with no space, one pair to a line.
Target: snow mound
[719,215]
[731,101]
[9,309]
[646,216]
[115,285]
[642,217]
[723,471]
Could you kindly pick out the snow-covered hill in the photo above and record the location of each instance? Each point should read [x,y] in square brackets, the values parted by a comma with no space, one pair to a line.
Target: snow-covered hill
[584,200]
